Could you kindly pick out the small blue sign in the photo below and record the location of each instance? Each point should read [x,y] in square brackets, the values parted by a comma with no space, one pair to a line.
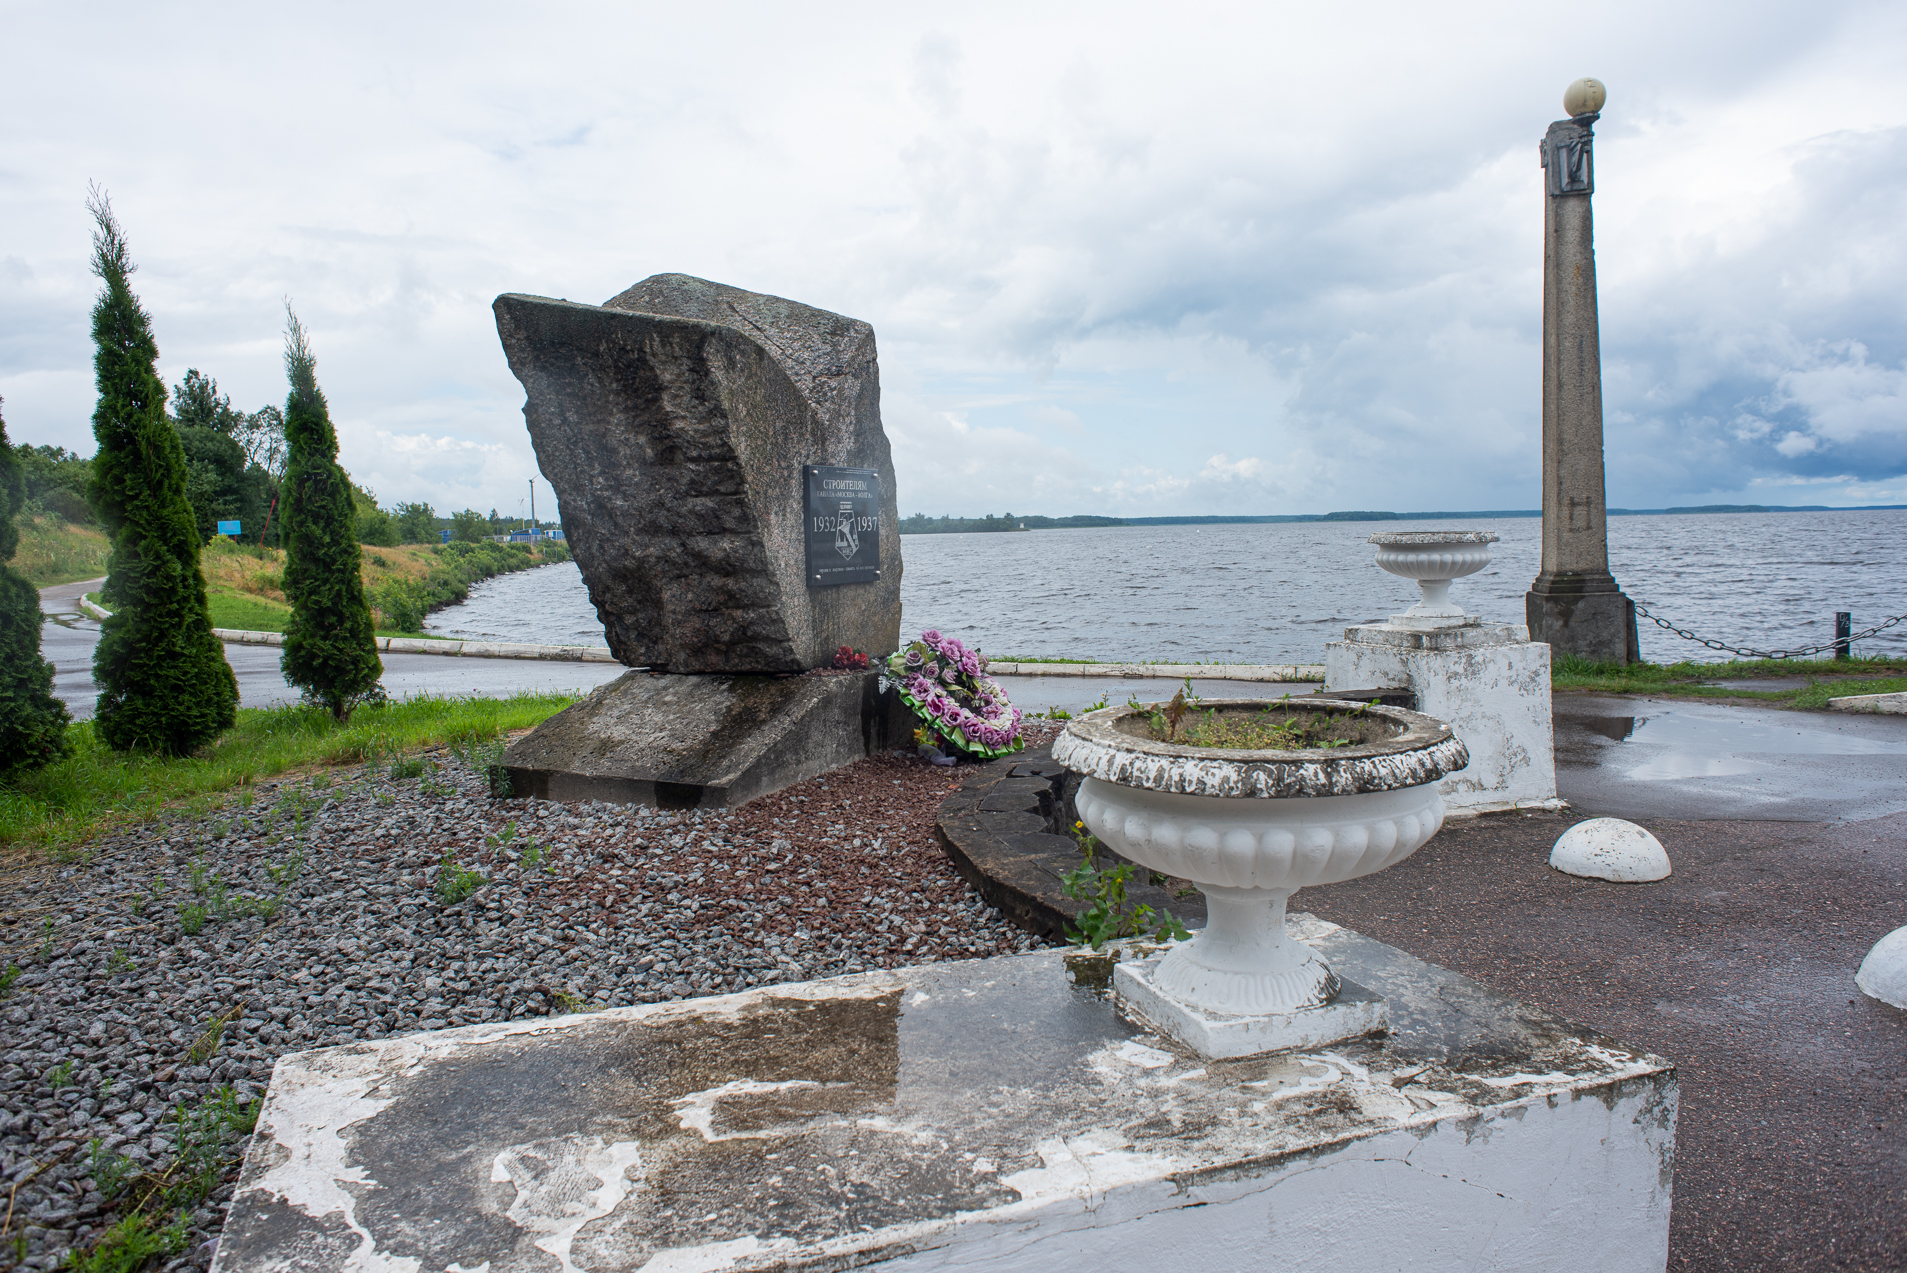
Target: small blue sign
[228,528]
[445,534]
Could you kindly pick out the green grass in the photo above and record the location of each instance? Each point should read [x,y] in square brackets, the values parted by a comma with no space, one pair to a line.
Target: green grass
[54,551]
[1827,679]
[71,800]
[247,614]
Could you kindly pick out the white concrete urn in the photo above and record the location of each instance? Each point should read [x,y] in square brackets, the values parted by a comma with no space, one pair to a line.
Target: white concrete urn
[1250,828]
[1434,558]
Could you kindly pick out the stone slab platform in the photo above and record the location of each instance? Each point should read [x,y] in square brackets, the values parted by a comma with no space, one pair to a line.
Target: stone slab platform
[685,742]
[989,1114]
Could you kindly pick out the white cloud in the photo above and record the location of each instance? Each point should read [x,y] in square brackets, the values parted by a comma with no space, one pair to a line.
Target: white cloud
[1099,248]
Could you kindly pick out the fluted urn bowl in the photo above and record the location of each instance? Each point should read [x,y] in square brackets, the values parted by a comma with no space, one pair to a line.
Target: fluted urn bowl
[1250,828]
[1433,558]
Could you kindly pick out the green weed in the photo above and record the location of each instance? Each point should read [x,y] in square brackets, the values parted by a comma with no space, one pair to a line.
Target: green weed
[1108,916]
[130,1245]
[59,1076]
[455,882]
[207,1044]
[192,917]
[7,978]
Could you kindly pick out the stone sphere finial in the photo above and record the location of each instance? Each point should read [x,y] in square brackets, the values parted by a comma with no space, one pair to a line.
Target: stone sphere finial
[1584,97]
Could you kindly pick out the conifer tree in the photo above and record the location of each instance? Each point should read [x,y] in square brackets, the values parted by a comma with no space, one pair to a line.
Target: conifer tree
[330,646]
[32,721]
[163,679]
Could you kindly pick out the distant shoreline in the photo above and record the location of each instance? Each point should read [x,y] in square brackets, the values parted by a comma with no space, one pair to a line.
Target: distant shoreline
[919,524]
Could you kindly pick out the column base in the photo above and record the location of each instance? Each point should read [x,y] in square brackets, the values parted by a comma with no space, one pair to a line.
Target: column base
[1583,615]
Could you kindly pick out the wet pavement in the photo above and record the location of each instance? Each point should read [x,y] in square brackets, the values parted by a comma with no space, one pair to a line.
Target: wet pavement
[1632,757]
[1739,967]
[68,638]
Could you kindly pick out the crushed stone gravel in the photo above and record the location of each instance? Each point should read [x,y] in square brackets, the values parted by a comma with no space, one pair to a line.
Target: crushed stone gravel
[324,912]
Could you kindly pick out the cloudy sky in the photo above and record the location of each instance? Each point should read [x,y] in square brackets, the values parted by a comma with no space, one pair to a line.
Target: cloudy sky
[1121,258]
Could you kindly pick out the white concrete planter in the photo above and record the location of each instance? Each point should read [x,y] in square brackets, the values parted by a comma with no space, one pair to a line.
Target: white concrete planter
[1250,828]
[1433,558]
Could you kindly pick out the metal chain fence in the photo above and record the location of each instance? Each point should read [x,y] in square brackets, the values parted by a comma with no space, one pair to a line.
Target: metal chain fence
[1686,635]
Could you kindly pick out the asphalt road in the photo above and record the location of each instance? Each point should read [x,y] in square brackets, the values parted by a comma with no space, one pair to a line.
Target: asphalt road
[68,638]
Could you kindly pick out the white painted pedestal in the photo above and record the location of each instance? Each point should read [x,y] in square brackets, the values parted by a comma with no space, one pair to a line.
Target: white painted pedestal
[1489,681]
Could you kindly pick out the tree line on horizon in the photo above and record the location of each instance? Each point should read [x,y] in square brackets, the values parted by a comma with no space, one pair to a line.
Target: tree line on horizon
[235,463]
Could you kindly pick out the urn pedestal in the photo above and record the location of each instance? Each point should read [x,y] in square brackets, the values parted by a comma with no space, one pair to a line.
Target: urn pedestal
[1250,828]
[1488,680]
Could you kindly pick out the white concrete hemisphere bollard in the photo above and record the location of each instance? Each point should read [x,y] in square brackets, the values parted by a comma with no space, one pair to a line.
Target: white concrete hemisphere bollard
[1883,973]
[1433,558]
[1610,849]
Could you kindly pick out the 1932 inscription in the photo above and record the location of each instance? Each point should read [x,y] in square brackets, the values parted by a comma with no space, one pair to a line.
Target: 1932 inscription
[843,525]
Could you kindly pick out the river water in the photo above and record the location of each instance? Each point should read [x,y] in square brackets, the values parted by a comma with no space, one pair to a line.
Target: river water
[1276,593]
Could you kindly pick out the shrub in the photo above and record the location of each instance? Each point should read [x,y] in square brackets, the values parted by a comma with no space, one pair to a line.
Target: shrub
[330,646]
[162,676]
[402,603]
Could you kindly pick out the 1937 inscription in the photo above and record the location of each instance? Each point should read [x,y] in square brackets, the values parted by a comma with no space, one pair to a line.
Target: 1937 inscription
[843,525]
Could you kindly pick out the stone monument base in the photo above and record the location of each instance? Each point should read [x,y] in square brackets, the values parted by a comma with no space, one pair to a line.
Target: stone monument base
[988,1114]
[1488,681]
[1355,1013]
[1598,626]
[684,742]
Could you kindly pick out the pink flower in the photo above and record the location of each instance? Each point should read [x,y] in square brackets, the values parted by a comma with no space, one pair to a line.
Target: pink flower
[919,686]
[931,638]
[971,727]
[950,674]
[970,663]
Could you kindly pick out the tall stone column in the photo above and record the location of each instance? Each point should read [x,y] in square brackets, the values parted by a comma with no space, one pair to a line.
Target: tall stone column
[1574,605]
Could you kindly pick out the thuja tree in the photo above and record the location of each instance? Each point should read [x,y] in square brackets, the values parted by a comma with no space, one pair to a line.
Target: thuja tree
[163,680]
[32,721]
[330,646]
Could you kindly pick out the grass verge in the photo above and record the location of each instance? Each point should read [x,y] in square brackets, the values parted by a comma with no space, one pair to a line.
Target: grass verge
[56,551]
[66,803]
[1827,678]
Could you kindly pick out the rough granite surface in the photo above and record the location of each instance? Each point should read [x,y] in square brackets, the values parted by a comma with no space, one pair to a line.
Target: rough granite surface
[673,422]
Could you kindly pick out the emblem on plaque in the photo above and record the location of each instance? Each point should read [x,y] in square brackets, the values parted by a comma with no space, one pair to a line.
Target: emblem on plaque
[846,542]
[843,538]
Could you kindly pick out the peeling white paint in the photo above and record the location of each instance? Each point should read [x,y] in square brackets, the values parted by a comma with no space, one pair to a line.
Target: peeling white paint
[555,1196]
[1433,1160]
[1085,1168]
[1133,1052]
[696,1111]
[308,1121]
[713,1257]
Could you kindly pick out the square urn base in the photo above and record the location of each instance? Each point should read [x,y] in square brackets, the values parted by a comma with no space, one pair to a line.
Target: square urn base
[1355,1013]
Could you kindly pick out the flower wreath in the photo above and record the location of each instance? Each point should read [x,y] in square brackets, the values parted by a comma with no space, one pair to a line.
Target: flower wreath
[947,686]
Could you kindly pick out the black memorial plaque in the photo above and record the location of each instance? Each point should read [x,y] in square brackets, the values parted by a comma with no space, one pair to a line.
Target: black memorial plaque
[844,525]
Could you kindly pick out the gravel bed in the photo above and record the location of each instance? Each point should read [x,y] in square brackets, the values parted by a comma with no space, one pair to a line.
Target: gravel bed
[323,923]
